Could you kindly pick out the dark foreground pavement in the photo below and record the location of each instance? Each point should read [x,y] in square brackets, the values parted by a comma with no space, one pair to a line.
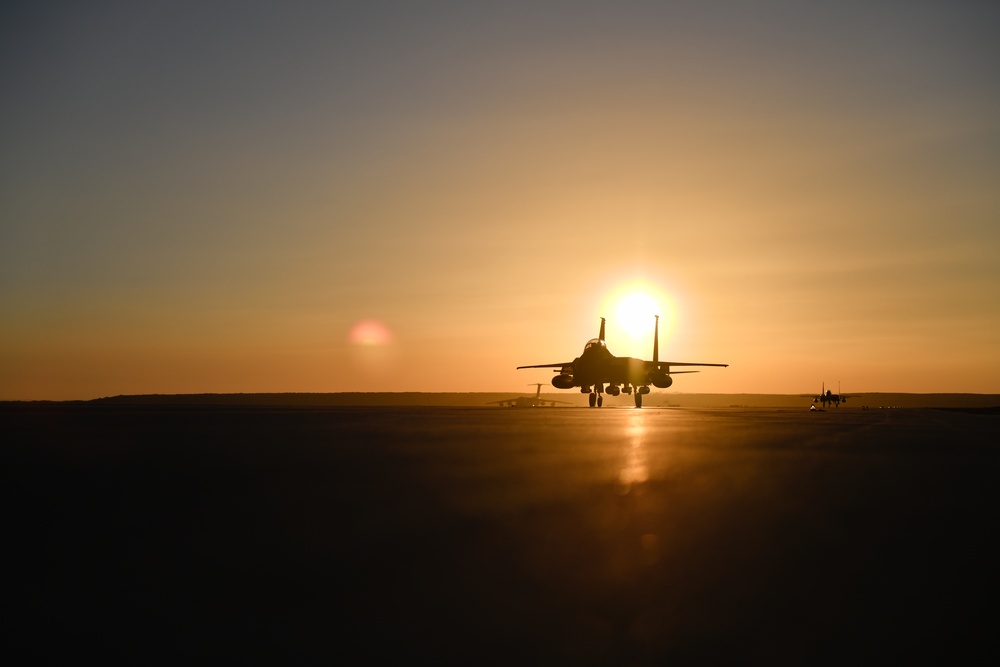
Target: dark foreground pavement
[492,536]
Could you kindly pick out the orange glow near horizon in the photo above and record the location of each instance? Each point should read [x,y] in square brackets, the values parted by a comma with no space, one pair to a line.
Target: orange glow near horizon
[423,200]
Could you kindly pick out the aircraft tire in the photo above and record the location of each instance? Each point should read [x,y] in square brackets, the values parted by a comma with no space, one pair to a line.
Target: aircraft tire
[600,401]
[593,399]
[638,400]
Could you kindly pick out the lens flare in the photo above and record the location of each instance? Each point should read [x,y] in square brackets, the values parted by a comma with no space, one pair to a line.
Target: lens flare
[369,333]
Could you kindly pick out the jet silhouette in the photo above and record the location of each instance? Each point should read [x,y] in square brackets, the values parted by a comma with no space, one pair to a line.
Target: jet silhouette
[535,401]
[827,396]
[597,367]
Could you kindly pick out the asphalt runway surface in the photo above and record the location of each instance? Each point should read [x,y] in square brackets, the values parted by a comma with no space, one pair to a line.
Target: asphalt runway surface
[500,536]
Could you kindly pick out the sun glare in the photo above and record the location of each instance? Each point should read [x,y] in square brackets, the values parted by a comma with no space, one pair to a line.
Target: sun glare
[635,312]
[631,312]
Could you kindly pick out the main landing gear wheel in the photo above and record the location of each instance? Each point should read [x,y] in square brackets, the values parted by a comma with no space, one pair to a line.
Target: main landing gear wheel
[600,400]
[638,400]
[593,399]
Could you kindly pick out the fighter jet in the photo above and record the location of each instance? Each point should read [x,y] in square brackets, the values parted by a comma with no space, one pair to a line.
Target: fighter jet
[597,367]
[535,401]
[827,396]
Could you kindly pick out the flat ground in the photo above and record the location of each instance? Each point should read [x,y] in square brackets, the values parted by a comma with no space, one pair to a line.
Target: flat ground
[499,536]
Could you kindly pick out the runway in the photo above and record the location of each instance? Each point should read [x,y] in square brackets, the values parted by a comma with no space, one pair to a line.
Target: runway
[498,536]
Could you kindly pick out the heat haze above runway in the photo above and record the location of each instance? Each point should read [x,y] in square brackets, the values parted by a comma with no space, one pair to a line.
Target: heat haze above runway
[327,197]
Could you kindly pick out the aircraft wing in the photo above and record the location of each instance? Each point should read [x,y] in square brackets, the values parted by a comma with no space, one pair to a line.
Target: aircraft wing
[565,363]
[657,364]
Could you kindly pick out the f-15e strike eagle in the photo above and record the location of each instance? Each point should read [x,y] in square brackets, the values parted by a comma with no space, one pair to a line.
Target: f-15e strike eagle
[827,396]
[597,367]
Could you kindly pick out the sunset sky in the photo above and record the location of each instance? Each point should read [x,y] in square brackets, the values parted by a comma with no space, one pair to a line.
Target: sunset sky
[421,196]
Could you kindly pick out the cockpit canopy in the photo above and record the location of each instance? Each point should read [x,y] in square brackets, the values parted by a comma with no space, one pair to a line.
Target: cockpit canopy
[595,343]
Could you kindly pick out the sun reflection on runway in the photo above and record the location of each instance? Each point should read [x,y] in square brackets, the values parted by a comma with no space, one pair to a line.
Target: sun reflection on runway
[634,469]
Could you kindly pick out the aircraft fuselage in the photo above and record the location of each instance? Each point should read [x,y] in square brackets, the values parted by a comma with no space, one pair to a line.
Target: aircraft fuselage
[597,367]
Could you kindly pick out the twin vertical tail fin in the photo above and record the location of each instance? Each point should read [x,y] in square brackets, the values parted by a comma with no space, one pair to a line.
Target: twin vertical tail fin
[656,338]
[656,341]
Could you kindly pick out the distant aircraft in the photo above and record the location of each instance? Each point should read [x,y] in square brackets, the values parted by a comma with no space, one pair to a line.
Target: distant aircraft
[535,401]
[597,366]
[827,396]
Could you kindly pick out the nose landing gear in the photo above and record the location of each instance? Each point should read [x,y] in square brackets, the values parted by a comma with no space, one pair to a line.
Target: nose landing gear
[639,391]
[597,396]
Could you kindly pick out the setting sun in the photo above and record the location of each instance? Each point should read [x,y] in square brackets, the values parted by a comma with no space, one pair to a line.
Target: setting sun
[631,310]
[402,185]
[635,312]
